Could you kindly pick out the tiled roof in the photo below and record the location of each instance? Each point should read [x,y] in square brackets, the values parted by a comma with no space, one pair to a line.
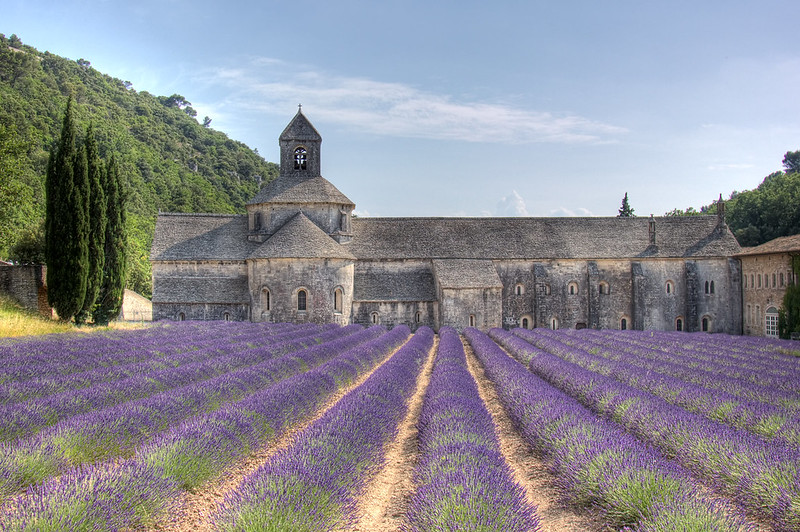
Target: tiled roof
[300,128]
[300,189]
[300,238]
[784,244]
[466,273]
[539,238]
[200,237]
[231,290]
[224,237]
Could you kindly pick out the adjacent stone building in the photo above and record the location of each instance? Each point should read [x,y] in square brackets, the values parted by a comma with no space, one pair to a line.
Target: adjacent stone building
[766,273]
[300,255]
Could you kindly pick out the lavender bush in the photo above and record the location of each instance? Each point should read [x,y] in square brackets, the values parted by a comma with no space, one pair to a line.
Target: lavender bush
[463,482]
[597,462]
[314,484]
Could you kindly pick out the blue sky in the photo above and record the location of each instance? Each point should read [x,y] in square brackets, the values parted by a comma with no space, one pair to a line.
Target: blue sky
[445,108]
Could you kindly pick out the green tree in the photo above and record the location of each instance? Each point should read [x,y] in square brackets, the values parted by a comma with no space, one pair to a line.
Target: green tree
[625,211]
[15,195]
[112,289]
[97,225]
[791,162]
[789,315]
[67,222]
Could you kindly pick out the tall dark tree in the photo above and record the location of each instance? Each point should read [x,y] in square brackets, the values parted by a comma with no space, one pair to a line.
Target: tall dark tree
[625,211]
[112,289]
[67,222]
[97,226]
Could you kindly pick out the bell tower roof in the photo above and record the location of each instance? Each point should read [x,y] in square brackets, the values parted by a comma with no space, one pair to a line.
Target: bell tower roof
[300,129]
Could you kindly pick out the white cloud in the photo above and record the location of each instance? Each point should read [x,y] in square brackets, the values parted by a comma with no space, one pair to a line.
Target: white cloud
[512,205]
[397,109]
[565,212]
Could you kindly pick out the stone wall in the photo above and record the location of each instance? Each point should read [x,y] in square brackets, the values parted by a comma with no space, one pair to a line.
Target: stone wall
[764,282]
[26,284]
[284,278]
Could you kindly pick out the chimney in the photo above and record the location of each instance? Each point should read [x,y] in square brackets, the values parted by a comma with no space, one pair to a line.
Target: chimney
[651,225]
[720,211]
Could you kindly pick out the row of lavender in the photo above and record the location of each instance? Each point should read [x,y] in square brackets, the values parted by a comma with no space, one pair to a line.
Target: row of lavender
[769,412]
[314,484]
[63,354]
[463,481]
[136,355]
[29,417]
[116,431]
[137,491]
[761,476]
[596,461]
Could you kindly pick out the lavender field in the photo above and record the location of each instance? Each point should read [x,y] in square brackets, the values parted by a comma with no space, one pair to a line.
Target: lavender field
[240,426]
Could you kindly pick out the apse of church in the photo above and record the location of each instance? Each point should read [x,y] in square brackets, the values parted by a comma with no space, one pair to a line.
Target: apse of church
[298,255]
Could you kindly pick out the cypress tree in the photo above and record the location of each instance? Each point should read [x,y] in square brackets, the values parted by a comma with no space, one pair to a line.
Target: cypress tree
[112,289]
[625,211]
[97,226]
[67,224]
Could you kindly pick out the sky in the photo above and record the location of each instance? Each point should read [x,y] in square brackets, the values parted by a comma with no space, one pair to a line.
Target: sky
[470,108]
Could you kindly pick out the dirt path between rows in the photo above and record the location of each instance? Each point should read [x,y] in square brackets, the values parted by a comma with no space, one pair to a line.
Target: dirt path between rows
[195,510]
[384,504]
[530,471]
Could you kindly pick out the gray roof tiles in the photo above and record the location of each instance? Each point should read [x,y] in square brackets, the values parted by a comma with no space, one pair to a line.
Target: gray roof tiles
[300,238]
[300,189]
[224,237]
[466,273]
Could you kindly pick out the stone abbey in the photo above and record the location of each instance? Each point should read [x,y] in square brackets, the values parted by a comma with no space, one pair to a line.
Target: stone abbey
[299,255]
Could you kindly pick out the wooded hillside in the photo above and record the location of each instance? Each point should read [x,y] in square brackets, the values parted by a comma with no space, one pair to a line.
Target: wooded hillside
[168,160]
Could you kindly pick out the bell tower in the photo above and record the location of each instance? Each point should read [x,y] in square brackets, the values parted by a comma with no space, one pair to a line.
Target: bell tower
[300,148]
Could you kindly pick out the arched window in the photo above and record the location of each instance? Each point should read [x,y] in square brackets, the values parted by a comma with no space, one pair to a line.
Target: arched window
[759,280]
[554,323]
[525,323]
[302,297]
[300,157]
[712,287]
[604,288]
[338,297]
[519,289]
[181,316]
[572,288]
[707,288]
[375,318]
[679,324]
[782,280]
[472,320]
[623,324]
[670,288]
[706,324]
[774,280]
[418,317]
[266,303]
[752,281]
[226,317]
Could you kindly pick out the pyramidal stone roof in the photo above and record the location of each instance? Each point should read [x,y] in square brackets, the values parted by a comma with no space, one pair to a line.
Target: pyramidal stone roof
[293,189]
[300,238]
[300,129]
